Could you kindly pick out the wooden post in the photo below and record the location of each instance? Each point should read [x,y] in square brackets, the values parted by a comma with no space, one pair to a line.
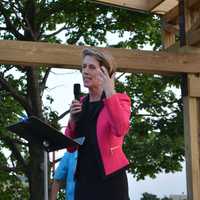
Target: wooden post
[191,102]
[192,138]
[169,34]
[192,119]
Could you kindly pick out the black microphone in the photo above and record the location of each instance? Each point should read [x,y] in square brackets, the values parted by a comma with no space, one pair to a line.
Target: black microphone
[77,94]
[77,91]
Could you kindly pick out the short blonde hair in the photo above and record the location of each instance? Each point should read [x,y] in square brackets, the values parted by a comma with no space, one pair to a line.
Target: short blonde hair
[104,58]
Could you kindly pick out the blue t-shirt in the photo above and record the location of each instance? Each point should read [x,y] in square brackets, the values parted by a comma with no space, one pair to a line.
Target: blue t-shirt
[65,171]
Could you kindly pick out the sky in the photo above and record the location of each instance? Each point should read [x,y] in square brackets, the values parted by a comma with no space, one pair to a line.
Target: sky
[60,87]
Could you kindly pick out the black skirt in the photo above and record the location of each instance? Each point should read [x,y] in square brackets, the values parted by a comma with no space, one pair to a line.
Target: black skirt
[112,188]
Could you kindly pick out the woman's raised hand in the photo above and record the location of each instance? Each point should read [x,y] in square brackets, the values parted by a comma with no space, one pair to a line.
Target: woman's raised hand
[107,82]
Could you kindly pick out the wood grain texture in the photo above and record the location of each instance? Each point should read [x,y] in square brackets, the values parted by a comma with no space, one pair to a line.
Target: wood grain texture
[65,56]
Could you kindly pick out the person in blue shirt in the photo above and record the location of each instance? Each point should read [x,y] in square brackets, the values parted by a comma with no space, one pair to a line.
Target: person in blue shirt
[65,172]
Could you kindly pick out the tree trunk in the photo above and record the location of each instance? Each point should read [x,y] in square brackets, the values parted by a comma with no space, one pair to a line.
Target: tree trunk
[36,164]
[36,179]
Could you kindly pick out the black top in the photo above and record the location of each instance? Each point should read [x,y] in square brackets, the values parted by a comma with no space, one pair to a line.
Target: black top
[89,160]
[92,183]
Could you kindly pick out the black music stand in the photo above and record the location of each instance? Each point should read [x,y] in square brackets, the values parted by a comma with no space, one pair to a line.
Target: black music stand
[36,131]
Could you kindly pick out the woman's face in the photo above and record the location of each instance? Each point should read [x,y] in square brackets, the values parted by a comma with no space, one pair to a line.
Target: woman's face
[90,72]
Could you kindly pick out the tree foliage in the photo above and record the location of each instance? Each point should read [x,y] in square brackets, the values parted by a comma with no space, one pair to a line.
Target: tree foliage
[155,142]
[148,196]
[11,184]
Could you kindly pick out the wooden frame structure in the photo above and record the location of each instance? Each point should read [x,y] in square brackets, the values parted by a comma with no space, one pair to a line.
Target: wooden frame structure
[174,60]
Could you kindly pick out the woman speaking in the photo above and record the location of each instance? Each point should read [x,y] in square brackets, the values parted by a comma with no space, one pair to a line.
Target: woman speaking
[102,117]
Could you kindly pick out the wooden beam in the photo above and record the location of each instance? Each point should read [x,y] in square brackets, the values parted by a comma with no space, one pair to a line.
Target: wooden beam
[65,56]
[145,5]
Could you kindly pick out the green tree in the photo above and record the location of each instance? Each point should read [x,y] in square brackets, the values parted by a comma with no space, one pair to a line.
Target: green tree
[155,142]
[148,196]
[11,184]
[166,198]
[82,22]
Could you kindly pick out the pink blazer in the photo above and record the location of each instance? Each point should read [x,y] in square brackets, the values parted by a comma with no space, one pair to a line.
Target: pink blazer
[112,126]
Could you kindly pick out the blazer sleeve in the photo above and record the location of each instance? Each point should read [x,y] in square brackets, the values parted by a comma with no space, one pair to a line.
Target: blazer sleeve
[70,132]
[119,110]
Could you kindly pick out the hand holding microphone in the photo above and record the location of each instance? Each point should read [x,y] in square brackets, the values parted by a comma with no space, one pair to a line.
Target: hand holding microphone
[76,106]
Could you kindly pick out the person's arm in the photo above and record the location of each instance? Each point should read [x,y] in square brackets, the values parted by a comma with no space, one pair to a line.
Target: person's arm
[60,176]
[55,189]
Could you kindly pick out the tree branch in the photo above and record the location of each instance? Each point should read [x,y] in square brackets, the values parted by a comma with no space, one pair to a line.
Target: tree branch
[41,31]
[56,32]
[10,27]
[154,115]
[30,29]
[9,169]
[19,6]
[63,115]
[7,69]
[117,78]
[44,80]
[21,99]
[13,7]
[20,142]
[3,28]
[55,161]
[16,141]
[16,153]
